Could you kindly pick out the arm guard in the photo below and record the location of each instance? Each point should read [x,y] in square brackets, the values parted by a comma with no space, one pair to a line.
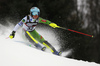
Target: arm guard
[16,27]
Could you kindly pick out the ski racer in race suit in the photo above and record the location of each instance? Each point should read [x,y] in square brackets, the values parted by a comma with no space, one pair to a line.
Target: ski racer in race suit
[29,23]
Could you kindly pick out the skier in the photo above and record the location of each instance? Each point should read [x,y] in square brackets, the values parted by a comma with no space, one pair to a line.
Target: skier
[29,23]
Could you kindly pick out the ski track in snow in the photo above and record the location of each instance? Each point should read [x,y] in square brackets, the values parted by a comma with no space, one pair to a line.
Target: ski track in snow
[16,52]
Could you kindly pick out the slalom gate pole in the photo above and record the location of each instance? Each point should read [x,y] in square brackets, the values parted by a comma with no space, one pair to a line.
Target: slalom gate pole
[76,31]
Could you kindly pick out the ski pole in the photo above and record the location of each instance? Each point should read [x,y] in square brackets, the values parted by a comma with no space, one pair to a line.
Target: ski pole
[7,37]
[76,31]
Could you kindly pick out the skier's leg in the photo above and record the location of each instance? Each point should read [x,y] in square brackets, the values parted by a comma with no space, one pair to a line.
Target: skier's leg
[53,50]
[33,41]
[39,38]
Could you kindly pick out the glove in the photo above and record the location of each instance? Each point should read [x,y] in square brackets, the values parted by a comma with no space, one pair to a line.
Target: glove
[53,25]
[12,35]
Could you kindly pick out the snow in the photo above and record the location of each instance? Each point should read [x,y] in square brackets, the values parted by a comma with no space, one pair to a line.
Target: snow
[13,53]
[83,8]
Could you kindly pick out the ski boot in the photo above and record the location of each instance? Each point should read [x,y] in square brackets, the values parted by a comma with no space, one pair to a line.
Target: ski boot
[40,47]
[57,53]
[43,48]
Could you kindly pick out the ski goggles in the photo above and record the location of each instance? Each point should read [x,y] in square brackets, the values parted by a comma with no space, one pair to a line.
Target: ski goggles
[35,13]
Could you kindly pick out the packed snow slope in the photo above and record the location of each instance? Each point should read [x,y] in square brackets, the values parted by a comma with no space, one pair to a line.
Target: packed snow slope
[15,52]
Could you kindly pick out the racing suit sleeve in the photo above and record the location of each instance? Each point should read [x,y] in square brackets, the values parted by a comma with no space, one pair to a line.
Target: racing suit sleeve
[41,20]
[48,22]
[20,23]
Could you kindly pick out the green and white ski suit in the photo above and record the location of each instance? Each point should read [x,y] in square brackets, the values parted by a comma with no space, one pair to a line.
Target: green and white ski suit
[29,24]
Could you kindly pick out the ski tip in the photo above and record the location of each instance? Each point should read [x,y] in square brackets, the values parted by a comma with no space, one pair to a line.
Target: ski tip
[30,45]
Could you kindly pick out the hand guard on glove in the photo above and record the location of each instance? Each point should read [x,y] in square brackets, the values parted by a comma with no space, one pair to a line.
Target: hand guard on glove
[53,25]
[12,35]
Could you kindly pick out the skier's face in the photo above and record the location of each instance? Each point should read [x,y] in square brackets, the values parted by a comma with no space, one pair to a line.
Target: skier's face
[35,16]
